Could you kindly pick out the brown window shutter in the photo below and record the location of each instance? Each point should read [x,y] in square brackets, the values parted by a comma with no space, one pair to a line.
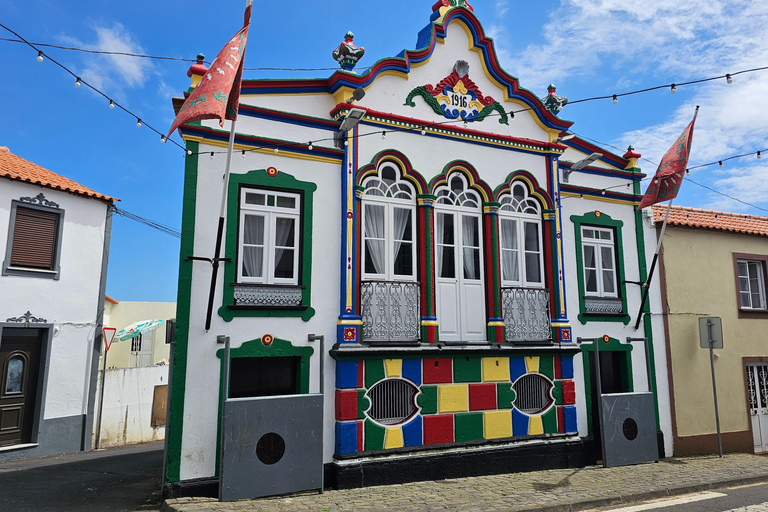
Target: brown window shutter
[34,238]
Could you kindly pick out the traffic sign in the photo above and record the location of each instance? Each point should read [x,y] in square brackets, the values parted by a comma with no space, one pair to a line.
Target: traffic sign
[109,335]
[710,329]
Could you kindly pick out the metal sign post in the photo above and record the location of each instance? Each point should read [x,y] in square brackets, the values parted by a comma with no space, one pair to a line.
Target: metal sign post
[711,336]
[108,334]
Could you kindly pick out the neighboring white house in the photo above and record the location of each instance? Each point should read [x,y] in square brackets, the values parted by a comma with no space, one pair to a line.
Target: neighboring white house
[54,241]
[440,246]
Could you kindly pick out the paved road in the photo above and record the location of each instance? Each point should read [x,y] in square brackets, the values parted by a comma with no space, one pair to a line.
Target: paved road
[115,480]
[747,498]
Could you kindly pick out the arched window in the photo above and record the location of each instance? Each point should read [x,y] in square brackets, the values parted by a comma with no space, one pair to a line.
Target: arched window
[459,261]
[522,257]
[389,226]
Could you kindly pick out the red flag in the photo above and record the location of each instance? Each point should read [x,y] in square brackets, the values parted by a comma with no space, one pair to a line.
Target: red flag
[669,176]
[217,96]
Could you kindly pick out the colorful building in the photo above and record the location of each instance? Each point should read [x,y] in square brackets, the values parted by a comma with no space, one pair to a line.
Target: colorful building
[442,245]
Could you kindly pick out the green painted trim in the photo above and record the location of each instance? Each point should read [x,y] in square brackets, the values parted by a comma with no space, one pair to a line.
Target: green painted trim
[429,256]
[363,403]
[603,220]
[175,428]
[496,264]
[281,181]
[627,381]
[547,367]
[255,348]
[647,320]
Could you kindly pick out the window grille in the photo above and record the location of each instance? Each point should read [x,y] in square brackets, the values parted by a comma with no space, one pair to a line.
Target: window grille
[532,393]
[392,401]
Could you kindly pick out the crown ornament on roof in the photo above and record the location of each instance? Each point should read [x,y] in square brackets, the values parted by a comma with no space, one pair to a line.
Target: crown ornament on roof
[347,54]
[451,3]
[552,101]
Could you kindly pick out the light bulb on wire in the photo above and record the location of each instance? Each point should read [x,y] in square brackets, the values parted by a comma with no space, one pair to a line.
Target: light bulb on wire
[383,135]
[211,155]
[138,123]
[111,104]
[78,83]
[615,99]
[674,89]
[277,150]
[728,78]
[162,139]
[39,56]
[721,164]
[759,156]
[243,154]
[310,146]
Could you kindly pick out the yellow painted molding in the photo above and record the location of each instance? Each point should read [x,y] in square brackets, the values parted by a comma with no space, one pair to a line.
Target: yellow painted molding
[453,398]
[535,426]
[497,424]
[495,369]
[393,438]
[393,367]
[532,364]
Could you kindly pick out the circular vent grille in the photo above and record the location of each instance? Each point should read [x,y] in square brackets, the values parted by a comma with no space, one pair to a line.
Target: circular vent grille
[392,401]
[532,393]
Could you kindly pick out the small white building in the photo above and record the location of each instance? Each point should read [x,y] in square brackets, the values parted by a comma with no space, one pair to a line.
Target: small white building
[443,248]
[54,241]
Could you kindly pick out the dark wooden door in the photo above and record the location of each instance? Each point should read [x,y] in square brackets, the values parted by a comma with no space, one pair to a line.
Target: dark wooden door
[19,366]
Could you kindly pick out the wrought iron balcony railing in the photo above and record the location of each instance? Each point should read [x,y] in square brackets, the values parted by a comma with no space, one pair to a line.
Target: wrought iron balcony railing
[390,311]
[526,314]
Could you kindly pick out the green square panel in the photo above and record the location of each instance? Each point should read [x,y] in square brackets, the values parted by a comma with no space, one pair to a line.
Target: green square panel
[468,426]
[467,369]
[427,399]
[374,372]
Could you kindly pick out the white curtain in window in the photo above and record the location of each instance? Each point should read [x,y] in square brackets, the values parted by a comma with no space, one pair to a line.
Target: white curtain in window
[470,240]
[253,234]
[510,267]
[284,234]
[402,219]
[375,235]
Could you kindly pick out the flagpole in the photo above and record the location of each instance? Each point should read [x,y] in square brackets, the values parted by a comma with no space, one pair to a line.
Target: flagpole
[647,284]
[220,232]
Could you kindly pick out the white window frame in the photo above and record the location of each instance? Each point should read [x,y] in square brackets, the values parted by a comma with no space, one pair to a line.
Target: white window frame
[270,215]
[746,279]
[398,188]
[597,245]
[521,209]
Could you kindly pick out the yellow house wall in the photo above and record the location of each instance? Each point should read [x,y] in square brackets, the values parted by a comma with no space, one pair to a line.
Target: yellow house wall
[700,279]
[125,313]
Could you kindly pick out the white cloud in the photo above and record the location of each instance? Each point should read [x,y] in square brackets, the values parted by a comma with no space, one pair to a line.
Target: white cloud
[625,45]
[113,73]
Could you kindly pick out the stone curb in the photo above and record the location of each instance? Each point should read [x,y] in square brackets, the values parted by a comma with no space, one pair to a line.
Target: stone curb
[586,504]
[644,496]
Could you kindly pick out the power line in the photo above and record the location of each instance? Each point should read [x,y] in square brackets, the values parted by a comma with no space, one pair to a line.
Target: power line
[79,81]
[152,224]
[154,57]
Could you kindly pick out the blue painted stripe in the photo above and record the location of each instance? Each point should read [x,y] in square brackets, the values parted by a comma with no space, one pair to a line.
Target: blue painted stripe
[346,438]
[412,370]
[346,374]
[566,367]
[519,423]
[569,415]
[413,431]
[517,368]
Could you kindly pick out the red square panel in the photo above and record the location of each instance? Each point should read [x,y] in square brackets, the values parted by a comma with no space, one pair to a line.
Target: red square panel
[482,397]
[569,392]
[438,371]
[438,429]
[346,404]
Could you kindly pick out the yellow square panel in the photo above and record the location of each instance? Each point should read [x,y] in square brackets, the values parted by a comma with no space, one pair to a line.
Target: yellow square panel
[532,364]
[535,426]
[495,369]
[497,424]
[453,398]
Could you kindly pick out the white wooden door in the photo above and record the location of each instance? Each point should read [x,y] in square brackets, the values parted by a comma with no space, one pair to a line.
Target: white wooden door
[757,387]
[460,287]
[141,350]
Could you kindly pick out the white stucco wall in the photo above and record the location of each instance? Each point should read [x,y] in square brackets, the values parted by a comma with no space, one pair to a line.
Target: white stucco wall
[128,399]
[69,303]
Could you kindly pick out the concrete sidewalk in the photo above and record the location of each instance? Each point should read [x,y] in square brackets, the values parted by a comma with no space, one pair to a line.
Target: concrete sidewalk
[561,489]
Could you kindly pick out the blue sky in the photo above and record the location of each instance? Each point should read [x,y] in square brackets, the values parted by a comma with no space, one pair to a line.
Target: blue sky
[586,47]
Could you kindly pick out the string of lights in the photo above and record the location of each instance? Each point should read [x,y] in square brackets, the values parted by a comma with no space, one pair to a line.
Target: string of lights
[155,57]
[79,82]
[152,224]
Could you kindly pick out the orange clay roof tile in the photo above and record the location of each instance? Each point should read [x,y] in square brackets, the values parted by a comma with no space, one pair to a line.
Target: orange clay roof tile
[16,168]
[712,219]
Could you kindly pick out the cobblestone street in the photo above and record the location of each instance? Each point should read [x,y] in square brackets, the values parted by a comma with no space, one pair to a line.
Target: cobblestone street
[564,489]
